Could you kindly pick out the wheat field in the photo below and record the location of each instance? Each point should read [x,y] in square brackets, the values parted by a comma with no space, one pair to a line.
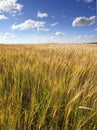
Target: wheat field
[48,87]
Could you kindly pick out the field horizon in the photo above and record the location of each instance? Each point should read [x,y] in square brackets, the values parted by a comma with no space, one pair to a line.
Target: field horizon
[47,43]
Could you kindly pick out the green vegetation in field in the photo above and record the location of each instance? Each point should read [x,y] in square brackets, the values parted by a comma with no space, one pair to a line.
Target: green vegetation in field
[48,87]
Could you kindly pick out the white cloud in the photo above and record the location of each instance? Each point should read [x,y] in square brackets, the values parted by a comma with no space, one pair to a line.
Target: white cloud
[84,21]
[53,37]
[54,24]
[95,29]
[10,6]
[41,15]
[6,37]
[3,17]
[2,39]
[84,39]
[59,33]
[44,29]
[9,35]
[29,24]
[88,1]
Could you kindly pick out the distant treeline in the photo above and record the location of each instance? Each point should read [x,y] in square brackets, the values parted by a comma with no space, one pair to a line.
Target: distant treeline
[93,43]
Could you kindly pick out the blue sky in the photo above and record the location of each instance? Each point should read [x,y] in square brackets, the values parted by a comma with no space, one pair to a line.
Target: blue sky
[48,21]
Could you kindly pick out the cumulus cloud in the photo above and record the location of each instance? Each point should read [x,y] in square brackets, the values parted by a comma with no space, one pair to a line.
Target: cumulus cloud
[59,33]
[54,24]
[84,21]
[88,1]
[29,24]
[2,17]
[41,15]
[10,6]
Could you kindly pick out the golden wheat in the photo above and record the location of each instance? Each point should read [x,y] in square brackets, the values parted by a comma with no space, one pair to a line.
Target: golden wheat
[48,87]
